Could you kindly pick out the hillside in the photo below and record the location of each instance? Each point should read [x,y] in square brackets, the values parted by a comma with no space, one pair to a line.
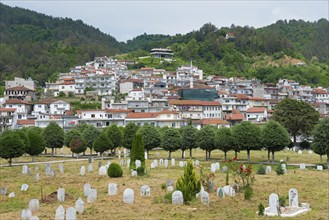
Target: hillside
[37,45]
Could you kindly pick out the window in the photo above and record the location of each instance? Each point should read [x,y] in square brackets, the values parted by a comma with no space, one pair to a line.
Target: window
[56,106]
[173,125]
[63,87]
[109,115]
[39,106]
[93,115]
[168,116]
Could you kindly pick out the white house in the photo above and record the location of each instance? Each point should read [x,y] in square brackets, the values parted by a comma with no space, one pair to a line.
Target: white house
[169,118]
[256,114]
[59,107]
[23,108]
[8,118]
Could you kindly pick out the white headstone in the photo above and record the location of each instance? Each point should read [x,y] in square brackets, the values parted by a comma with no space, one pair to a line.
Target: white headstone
[268,169]
[220,192]
[92,195]
[172,161]
[217,166]
[71,214]
[196,163]
[300,152]
[138,163]
[128,196]
[302,166]
[90,168]
[80,206]
[310,152]
[319,167]
[119,154]
[112,189]
[26,214]
[86,189]
[274,204]
[166,163]
[24,187]
[152,165]
[61,194]
[52,173]
[133,173]
[204,198]
[3,191]
[82,170]
[60,213]
[48,169]
[34,218]
[155,162]
[177,198]
[34,205]
[61,168]
[37,177]
[145,190]
[284,167]
[24,169]
[145,155]
[11,195]
[293,198]
[213,168]
[228,190]
[181,164]
[170,188]
[102,171]
[125,153]
[224,169]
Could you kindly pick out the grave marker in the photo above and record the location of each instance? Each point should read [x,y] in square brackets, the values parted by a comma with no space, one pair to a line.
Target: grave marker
[293,198]
[128,196]
[177,198]
[274,204]
[60,213]
[80,206]
[112,189]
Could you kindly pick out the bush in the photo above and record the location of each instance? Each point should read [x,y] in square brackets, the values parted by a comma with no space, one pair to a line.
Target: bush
[168,197]
[140,171]
[279,169]
[261,209]
[248,192]
[261,170]
[114,170]
[282,201]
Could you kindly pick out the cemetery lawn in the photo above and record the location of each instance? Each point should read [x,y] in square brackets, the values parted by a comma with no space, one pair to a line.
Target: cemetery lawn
[312,187]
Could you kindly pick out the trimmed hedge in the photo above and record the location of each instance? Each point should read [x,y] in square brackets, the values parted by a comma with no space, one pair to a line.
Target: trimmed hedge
[114,170]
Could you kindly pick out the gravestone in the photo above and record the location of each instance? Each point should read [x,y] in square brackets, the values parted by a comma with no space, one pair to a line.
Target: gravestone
[102,171]
[145,155]
[155,163]
[196,163]
[48,169]
[112,189]
[166,163]
[293,198]
[170,188]
[319,167]
[284,167]
[173,161]
[36,168]
[52,173]
[128,163]
[61,194]
[274,204]
[138,163]
[26,214]
[161,162]
[128,196]
[34,205]
[152,165]
[92,195]
[61,168]
[228,190]
[181,163]
[133,173]
[24,169]
[71,214]
[11,195]
[268,169]
[211,185]
[34,218]
[82,170]
[224,169]
[60,213]
[145,190]
[37,177]
[177,198]
[220,192]
[300,152]
[119,154]
[204,198]
[24,187]
[125,153]
[28,171]
[213,168]
[310,152]
[86,189]
[90,168]
[302,166]
[217,166]
[80,206]
[169,183]
[3,191]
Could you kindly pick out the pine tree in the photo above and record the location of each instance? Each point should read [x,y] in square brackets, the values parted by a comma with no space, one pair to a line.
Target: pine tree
[137,151]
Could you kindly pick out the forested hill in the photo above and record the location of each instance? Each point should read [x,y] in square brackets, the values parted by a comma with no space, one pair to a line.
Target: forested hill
[37,45]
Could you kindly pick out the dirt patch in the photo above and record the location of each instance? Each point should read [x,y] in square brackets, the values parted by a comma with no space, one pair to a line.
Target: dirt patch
[52,197]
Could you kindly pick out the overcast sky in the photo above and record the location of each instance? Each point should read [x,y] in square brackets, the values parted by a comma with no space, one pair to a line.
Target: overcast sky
[125,19]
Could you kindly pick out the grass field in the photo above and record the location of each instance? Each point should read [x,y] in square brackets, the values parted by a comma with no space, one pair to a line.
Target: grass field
[312,186]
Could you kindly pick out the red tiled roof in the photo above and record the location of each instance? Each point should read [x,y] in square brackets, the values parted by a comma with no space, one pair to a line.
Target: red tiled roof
[194,102]
[18,88]
[7,109]
[25,122]
[67,83]
[319,91]
[241,96]
[235,117]
[117,110]
[212,121]
[167,112]
[255,110]
[255,98]
[17,101]
[142,115]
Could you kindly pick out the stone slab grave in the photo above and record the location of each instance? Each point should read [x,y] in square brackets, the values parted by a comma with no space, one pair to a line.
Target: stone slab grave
[37,177]
[92,196]
[302,166]
[319,167]
[196,163]
[86,189]
[3,191]
[82,170]
[166,163]
[204,198]
[213,168]
[220,192]
[289,211]
[24,187]
[79,206]
[229,191]
[128,196]
[60,213]
[181,164]
[102,171]
[300,152]
[71,213]
[145,190]
[61,194]
[173,161]
[155,162]
[177,198]
[138,163]
[90,168]
[11,195]
[24,169]
[34,218]
[133,173]
[34,205]
[112,189]
[268,169]
[152,166]
[224,169]
[26,214]
[170,185]
[61,168]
